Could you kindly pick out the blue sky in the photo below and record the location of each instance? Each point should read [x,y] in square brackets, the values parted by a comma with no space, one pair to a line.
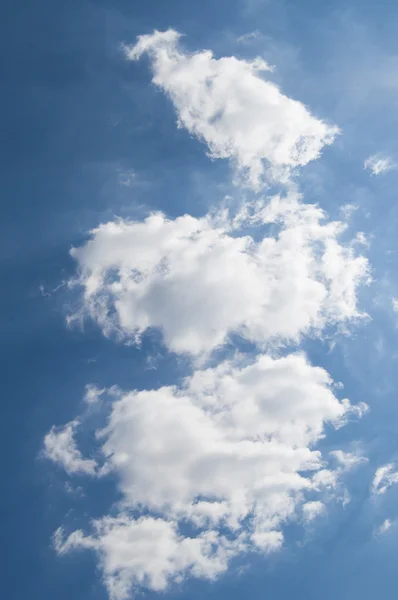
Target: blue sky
[88,138]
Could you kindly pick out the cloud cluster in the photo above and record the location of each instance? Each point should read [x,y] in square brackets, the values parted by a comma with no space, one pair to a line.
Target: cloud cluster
[219,463]
[236,112]
[231,452]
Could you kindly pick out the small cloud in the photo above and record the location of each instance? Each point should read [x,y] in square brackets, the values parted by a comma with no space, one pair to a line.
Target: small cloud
[347,210]
[42,291]
[395,304]
[384,527]
[60,447]
[347,460]
[362,239]
[74,490]
[92,394]
[312,510]
[384,478]
[246,38]
[49,292]
[152,362]
[378,164]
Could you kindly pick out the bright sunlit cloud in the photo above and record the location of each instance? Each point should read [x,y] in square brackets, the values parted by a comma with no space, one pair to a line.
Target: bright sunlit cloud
[233,107]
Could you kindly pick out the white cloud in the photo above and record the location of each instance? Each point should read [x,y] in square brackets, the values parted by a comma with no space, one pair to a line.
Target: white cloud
[149,552]
[395,304]
[219,464]
[230,428]
[198,279]
[240,115]
[348,460]
[60,447]
[93,394]
[384,478]
[232,452]
[347,210]
[312,510]
[384,527]
[378,164]
[249,37]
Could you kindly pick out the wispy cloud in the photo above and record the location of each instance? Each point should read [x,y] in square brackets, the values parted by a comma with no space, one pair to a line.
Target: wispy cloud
[379,164]
[127,178]
[347,210]
[384,527]
[384,478]
[348,460]
[249,37]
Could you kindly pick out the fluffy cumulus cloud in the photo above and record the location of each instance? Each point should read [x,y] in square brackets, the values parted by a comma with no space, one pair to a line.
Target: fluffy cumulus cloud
[378,164]
[384,478]
[239,114]
[231,452]
[199,279]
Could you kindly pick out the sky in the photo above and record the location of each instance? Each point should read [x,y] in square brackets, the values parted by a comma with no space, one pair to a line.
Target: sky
[200,306]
